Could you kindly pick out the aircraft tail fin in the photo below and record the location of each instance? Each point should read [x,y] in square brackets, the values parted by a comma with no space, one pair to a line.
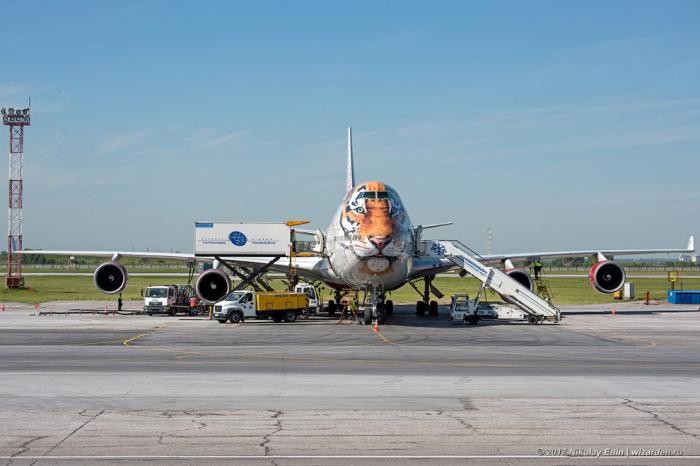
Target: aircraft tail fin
[350,173]
[691,244]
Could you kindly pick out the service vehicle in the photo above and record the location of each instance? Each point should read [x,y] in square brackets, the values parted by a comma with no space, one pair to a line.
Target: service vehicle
[315,302]
[470,311]
[246,304]
[169,299]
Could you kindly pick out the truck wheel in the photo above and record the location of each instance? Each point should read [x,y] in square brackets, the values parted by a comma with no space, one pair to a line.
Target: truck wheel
[235,317]
[389,307]
[290,316]
[472,320]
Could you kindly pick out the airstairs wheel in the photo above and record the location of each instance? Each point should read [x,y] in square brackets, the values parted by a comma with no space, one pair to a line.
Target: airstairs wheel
[532,319]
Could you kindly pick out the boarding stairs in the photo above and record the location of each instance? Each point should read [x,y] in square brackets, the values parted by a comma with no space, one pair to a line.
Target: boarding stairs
[498,281]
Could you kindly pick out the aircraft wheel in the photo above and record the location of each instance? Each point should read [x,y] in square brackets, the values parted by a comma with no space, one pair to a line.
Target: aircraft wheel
[368,316]
[433,308]
[389,307]
[420,308]
[381,315]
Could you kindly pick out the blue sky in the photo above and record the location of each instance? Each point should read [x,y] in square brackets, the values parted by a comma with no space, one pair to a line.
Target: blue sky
[558,124]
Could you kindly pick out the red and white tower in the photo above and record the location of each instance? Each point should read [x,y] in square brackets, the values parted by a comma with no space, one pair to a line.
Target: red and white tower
[16,120]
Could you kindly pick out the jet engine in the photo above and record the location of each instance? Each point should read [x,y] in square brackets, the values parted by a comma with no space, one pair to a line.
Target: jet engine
[521,277]
[213,285]
[607,276]
[111,277]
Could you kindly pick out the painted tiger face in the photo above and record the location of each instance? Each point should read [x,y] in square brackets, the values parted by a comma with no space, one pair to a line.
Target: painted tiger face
[373,219]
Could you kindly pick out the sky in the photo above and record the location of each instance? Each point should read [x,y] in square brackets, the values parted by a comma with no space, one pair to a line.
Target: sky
[559,125]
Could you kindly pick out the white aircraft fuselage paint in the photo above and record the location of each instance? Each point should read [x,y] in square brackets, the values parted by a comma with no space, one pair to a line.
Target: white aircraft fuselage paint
[370,241]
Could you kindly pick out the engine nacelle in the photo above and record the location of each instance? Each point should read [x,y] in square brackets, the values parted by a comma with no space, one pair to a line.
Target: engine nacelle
[212,285]
[607,276]
[521,277]
[110,277]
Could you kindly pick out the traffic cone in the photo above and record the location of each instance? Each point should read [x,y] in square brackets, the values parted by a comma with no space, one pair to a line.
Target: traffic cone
[614,312]
[376,326]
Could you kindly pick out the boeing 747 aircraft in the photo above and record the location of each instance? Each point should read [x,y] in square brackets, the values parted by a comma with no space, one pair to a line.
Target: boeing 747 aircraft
[371,245]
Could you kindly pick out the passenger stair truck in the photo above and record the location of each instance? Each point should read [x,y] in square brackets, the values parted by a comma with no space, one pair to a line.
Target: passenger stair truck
[241,305]
[537,309]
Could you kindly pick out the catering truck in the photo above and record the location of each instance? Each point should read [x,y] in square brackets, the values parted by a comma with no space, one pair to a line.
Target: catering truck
[245,304]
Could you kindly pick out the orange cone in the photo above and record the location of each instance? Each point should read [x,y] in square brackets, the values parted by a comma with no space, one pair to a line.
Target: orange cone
[614,312]
[376,326]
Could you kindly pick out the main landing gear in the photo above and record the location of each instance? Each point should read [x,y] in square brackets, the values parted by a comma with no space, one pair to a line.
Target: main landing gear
[425,305]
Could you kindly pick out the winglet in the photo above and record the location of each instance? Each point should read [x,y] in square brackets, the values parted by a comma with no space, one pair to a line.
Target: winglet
[691,243]
[350,174]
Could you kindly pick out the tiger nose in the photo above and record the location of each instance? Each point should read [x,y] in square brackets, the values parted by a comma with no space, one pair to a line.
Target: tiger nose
[380,241]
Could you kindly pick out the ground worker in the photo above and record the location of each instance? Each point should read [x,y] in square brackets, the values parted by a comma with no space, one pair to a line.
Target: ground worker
[353,306]
[538,268]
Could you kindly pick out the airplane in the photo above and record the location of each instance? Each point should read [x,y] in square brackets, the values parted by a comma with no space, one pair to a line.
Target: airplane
[372,246]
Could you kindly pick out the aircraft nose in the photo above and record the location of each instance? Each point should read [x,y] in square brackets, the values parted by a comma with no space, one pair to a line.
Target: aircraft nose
[380,241]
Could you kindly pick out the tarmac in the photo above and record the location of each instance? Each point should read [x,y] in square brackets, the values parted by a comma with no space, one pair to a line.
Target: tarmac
[596,388]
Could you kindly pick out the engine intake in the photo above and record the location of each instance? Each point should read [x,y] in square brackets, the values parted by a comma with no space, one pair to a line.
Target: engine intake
[212,285]
[607,277]
[110,277]
[521,277]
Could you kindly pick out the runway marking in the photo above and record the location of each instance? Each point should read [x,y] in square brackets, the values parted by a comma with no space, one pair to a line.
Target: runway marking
[129,340]
[351,457]
[141,335]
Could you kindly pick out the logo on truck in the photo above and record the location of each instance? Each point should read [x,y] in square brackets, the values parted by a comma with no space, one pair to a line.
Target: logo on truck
[237,238]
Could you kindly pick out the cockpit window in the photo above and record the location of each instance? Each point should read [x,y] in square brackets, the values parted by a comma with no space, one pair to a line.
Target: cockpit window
[375,195]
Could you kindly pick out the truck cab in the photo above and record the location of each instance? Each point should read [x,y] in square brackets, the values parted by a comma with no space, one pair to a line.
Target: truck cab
[157,299]
[315,302]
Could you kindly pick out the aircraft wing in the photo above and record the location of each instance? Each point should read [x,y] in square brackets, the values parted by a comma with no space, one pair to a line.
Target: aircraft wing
[308,267]
[116,254]
[608,253]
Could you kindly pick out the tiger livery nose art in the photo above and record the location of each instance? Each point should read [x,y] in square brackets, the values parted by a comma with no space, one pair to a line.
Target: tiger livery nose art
[374,237]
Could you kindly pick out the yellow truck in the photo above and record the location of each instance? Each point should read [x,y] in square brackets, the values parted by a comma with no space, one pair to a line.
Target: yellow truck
[241,305]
